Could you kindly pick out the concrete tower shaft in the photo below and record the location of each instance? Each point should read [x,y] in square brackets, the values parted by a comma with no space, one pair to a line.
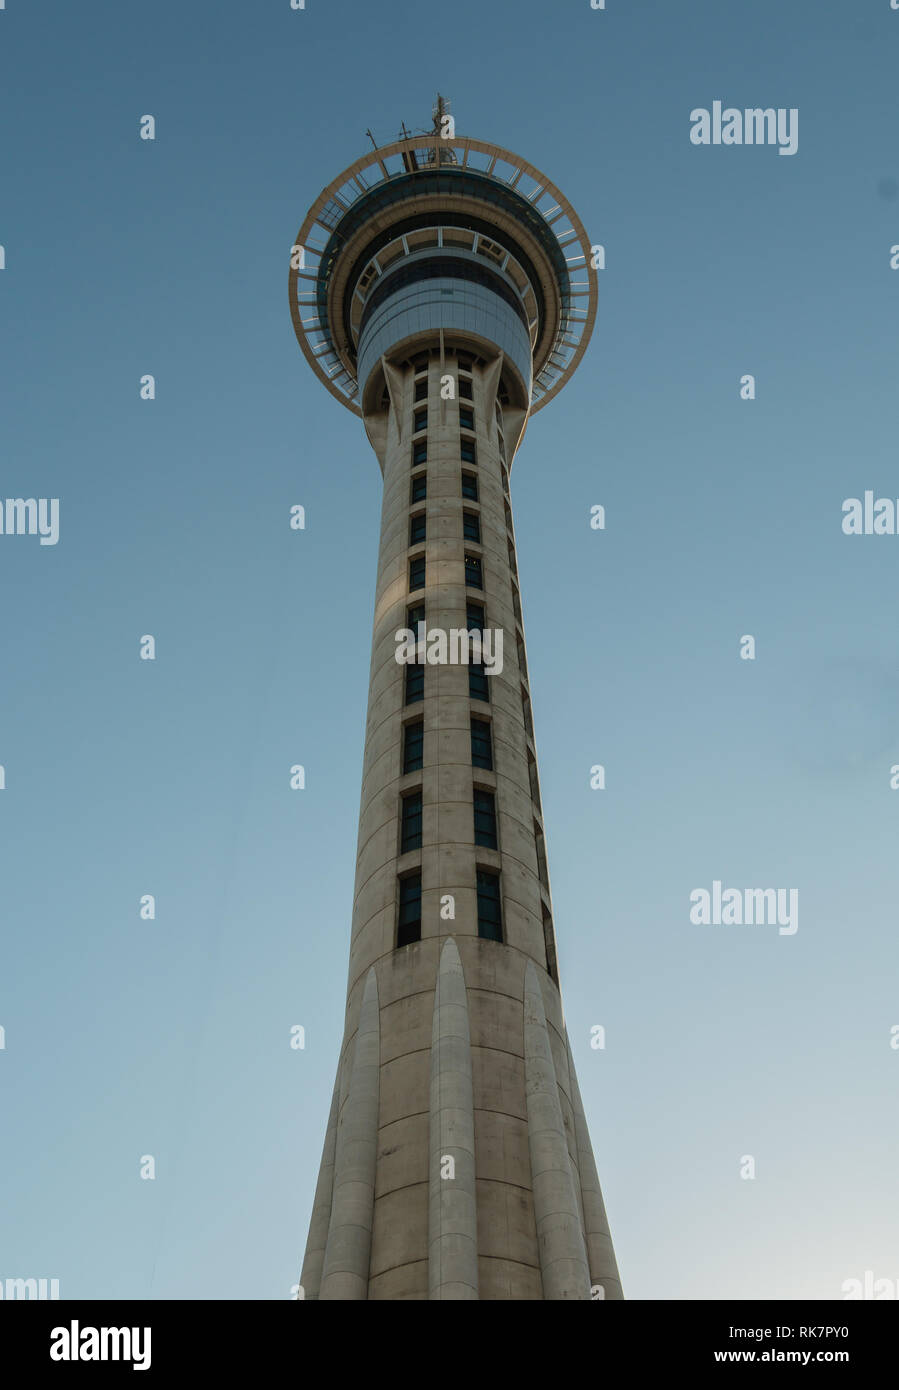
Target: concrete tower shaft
[457,1162]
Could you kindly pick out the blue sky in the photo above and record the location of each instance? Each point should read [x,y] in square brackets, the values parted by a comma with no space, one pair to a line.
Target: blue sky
[124,777]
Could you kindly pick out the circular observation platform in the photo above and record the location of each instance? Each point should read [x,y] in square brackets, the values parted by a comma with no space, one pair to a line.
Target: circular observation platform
[426,207]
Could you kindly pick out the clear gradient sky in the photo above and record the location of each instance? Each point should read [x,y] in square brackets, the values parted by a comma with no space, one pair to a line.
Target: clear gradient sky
[124,777]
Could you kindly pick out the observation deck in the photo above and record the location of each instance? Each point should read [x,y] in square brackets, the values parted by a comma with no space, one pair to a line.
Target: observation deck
[455,217]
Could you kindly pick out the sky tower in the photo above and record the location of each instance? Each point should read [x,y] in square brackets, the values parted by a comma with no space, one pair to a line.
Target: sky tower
[441,288]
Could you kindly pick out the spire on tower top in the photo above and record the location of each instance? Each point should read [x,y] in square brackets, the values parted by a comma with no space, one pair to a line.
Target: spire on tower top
[445,129]
[438,111]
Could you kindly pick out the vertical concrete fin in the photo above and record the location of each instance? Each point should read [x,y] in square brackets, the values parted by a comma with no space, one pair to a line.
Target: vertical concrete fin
[492,375]
[560,1237]
[600,1252]
[376,422]
[452,1214]
[514,425]
[348,1252]
[394,379]
[311,1277]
